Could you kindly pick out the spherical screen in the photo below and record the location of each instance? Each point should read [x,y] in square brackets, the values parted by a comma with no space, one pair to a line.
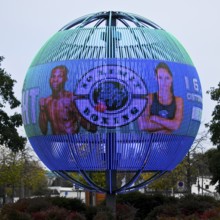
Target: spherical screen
[126,99]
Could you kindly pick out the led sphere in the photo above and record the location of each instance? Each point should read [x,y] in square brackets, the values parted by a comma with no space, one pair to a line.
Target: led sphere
[111,93]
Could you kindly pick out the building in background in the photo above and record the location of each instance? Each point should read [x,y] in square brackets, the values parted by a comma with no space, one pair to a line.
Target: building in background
[203,186]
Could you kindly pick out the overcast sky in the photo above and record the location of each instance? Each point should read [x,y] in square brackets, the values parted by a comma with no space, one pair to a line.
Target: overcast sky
[27,24]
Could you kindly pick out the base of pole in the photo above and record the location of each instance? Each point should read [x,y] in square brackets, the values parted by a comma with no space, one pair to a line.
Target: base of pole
[111,203]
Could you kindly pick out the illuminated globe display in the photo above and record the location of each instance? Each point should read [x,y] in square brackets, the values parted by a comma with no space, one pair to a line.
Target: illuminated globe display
[111,102]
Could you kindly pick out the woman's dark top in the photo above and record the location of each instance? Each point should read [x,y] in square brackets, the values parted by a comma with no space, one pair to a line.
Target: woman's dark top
[165,111]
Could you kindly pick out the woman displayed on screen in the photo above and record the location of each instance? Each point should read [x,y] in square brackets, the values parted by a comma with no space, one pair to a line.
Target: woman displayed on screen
[164,111]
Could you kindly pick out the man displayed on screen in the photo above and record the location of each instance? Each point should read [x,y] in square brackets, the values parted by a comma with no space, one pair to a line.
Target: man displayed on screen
[59,108]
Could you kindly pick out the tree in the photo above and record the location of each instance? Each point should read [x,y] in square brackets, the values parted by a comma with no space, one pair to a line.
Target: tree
[193,161]
[10,172]
[9,136]
[20,174]
[214,125]
[193,165]
[214,129]
[214,166]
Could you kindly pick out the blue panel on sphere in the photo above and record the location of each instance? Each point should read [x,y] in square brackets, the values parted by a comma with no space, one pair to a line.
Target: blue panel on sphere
[111,96]
[149,152]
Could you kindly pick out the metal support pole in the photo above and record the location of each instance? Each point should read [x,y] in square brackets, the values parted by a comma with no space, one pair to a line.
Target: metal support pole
[111,203]
[111,137]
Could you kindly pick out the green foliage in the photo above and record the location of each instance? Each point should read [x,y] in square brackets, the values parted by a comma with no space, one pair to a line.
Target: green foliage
[10,168]
[99,178]
[191,204]
[6,88]
[187,207]
[143,203]
[170,179]
[214,165]
[14,214]
[214,125]
[90,212]
[104,213]
[9,136]
[37,204]
[26,206]
[211,214]
[6,209]
[59,181]
[210,200]
[67,203]
[9,211]
[45,209]
[170,210]
[161,207]
[33,180]
[20,173]
[75,216]
[124,211]
[53,213]
[187,171]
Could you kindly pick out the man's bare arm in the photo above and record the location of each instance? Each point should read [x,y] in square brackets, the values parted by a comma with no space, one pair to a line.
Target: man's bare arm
[43,120]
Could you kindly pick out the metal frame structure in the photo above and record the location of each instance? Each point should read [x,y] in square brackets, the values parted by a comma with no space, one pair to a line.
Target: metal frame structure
[110,37]
[111,18]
